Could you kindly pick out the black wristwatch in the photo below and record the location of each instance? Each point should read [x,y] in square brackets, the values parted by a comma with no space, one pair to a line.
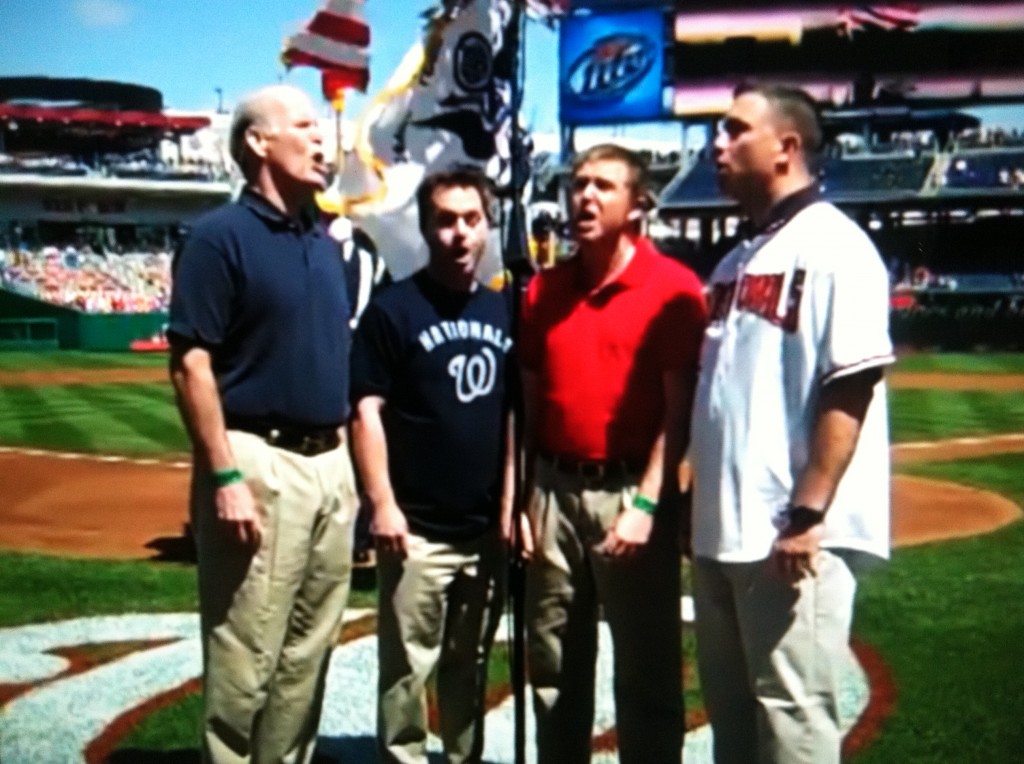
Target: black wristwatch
[799,518]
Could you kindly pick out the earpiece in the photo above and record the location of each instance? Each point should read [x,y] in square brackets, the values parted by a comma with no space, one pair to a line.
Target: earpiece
[645,202]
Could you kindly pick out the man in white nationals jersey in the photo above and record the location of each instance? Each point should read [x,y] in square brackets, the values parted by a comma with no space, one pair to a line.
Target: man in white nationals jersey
[789,442]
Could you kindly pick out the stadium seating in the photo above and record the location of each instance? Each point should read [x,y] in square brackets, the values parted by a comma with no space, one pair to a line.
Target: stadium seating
[843,177]
[986,169]
[130,283]
[698,185]
[140,165]
[846,178]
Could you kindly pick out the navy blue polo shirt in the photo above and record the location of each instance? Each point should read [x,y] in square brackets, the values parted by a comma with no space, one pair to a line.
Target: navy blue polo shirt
[266,295]
[439,359]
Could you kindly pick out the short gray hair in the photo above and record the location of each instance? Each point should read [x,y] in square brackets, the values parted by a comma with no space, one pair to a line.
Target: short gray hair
[254,111]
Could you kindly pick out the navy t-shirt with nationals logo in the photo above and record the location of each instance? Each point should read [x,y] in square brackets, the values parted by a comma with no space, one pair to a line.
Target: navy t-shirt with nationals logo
[439,359]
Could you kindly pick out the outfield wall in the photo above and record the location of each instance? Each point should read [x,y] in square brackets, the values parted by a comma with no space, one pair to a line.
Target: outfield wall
[84,331]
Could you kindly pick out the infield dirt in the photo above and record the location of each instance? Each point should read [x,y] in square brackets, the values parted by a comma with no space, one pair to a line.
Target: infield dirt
[122,509]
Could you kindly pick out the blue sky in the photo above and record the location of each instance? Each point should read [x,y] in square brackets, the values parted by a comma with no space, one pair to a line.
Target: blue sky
[188,48]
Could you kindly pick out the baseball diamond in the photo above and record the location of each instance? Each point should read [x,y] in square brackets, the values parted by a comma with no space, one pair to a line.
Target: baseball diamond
[244,487]
[61,705]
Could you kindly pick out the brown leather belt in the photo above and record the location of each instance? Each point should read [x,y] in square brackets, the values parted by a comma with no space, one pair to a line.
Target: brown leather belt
[305,441]
[594,469]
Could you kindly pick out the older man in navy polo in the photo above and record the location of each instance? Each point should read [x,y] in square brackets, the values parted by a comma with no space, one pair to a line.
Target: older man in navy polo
[259,332]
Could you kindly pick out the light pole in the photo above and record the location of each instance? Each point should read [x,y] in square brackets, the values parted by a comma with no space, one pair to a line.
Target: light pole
[220,99]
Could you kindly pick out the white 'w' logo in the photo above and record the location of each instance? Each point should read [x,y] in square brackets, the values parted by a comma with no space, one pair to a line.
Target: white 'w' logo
[474,377]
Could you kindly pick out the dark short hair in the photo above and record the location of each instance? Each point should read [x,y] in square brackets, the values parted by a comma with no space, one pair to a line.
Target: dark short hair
[543,225]
[639,178]
[796,107]
[456,177]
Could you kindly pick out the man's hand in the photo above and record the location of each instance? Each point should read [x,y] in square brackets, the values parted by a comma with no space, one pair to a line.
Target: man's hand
[795,552]
[628,535]
[236,510]
[390,528]
[525,533]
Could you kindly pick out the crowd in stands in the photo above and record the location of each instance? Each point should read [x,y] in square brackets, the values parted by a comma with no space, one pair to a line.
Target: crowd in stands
[907,143]
[657,158]
[875,173]
[45,165]
[996,323]
[907,162]
[989,138]
[957,311]
[1002,169]
[145,164]
[88,281]
[986,158]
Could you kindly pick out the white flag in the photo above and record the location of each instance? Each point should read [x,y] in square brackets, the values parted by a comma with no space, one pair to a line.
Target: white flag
[447,104]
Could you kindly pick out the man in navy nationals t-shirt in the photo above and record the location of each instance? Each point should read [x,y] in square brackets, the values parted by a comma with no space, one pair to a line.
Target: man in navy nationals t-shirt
[429,434]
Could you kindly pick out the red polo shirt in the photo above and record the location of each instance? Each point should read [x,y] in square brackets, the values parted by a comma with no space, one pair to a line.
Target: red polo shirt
[600,356]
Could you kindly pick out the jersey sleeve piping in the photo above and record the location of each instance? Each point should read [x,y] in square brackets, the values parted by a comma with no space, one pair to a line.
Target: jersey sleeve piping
[873,362]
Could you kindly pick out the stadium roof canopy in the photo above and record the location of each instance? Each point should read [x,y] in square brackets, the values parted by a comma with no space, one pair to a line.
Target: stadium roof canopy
[100,117]
[83,116]
[98,94]
[85,102]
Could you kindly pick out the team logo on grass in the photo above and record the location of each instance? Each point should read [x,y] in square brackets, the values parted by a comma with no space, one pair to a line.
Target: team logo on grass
[68,689]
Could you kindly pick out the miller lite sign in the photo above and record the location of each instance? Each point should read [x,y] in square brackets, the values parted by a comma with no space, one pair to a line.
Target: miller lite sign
[612,67]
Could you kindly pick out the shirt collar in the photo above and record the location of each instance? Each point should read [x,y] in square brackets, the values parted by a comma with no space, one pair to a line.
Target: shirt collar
[260,206]
[634,274]
[637,269]
[787,207]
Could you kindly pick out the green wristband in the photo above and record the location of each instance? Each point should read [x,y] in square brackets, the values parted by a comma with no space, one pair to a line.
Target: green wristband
[228,476]
[641,502]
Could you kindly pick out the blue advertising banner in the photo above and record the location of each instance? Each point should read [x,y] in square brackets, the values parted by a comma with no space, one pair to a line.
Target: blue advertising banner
[611,67]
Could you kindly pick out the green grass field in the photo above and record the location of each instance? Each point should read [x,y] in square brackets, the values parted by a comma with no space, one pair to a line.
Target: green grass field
[136,419]
[962,363]
[139,418]
[36,588]
[940,414]
[17,360]
[24,360]
[946,617]
[948,620]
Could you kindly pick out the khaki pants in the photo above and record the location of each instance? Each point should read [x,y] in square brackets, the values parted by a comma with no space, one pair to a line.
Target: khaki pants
[270,619]
[567,583]
[439,607]
[771,655]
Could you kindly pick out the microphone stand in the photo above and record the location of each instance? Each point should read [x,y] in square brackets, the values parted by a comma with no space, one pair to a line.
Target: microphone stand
[518,269]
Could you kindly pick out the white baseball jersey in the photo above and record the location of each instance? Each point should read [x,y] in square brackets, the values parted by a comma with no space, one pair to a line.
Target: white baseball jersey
[792,309]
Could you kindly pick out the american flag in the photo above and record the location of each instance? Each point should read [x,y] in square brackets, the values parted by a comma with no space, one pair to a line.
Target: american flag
[543,8]
[336,41]
[901,17]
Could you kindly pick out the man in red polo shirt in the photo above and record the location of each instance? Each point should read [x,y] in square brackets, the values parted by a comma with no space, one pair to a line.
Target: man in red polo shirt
[609,348]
